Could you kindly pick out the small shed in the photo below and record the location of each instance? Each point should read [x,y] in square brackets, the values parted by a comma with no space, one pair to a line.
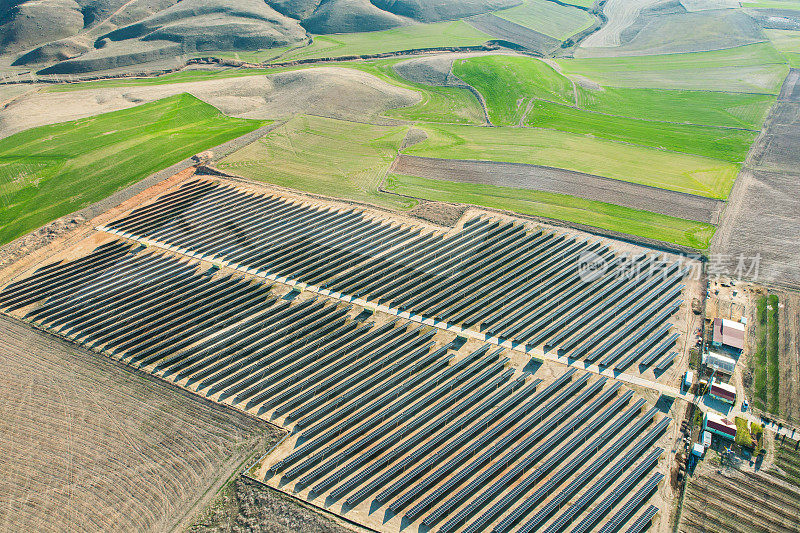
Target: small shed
[688,379]
[698,449]
[707,439]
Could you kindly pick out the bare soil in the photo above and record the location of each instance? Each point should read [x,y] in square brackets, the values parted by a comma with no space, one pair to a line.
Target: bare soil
[763,213]
[90,445]
[506,30]
[739,501]
[562,181]
[359,96]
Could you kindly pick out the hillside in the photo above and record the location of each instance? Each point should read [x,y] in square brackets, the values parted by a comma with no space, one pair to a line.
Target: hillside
[91,35]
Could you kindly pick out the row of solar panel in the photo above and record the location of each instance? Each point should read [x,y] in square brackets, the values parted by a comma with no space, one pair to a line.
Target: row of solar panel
[509,282]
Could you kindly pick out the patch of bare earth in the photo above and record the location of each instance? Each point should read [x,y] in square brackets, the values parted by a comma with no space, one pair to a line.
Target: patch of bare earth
[89,445]
[246,505]
[762,218]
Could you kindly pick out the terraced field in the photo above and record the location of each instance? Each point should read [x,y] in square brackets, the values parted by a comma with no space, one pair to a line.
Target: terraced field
[456,33]
[716,143]
[604,215]
[556,20]
[755,68]
[323,156]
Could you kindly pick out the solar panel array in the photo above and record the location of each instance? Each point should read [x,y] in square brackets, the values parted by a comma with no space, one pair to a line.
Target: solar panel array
[512,283]
[388,415]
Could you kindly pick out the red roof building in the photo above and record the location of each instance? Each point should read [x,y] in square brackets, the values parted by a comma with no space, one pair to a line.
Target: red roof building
[719,425]
[728,333]
[722,392]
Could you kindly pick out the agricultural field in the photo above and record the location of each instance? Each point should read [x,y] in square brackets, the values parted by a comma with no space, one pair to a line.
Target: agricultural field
[455,33]
[324,156]
[182,76]
[439,103]
[647,166]
[755,68]
[764,363]
[739,502]
[647,27]
[524,79]
[716,143]
[707,108]
[771,4]
[91,445]
[556,20]
[787,461]
[788,43]
[560,207]
[509,83]
[50,171]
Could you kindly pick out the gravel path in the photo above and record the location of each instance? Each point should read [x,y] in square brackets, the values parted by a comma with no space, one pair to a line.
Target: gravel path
[561,181]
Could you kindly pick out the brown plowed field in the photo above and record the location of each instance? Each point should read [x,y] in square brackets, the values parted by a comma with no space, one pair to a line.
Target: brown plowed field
[763,213]
[506,30]
[88,445]
[740,502]
[562,181]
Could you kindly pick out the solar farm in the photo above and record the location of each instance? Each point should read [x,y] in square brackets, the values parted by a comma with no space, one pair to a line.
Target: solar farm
[428,378]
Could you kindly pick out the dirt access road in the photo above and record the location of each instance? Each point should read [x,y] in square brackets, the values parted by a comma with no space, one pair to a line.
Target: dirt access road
[89,445]
[556,180]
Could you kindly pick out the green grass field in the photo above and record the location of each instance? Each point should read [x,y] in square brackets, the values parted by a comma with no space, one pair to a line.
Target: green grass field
[51,171]
[754,68]
[559,207]
[522,79]
[581,3]
[709,108]
[772,4]
[455,33]
[508,83]
[788,43]
[764,362]
[324,156]
[717,143]
[547,17]
[647,166]
[453,105]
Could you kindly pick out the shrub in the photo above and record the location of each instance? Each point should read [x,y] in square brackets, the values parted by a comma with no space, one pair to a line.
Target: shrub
[743,437]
